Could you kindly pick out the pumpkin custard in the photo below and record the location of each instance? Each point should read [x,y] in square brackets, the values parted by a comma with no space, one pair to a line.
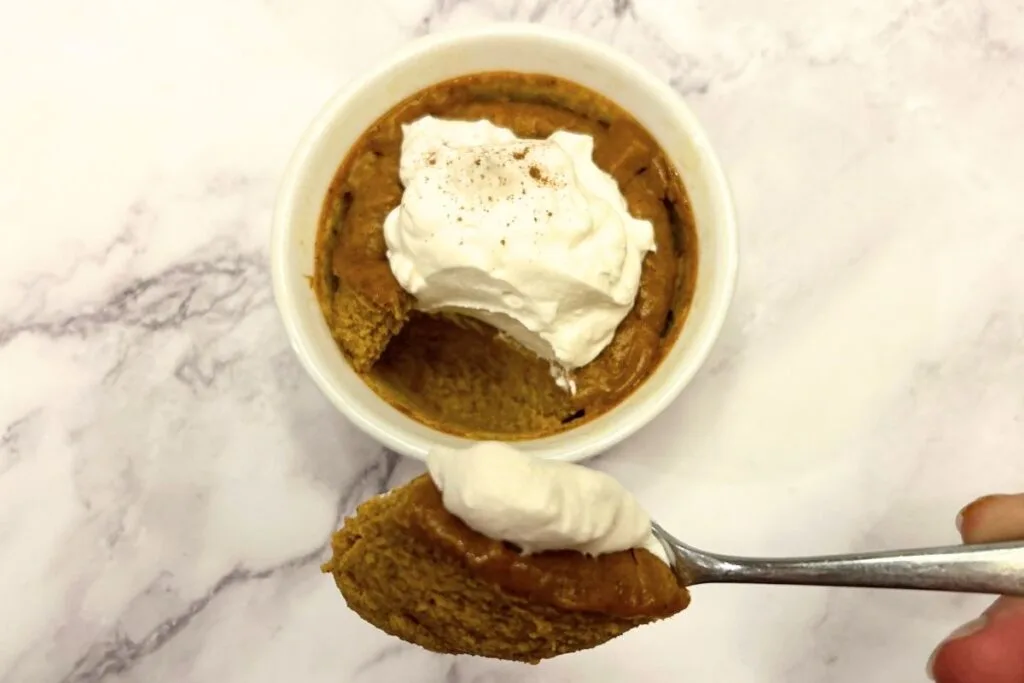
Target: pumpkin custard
[587,332]
[411,566]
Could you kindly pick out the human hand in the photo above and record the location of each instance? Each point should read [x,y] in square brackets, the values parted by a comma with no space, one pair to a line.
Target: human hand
[989,649]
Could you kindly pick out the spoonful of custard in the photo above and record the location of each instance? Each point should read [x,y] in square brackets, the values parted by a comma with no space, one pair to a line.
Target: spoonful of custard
[498,553]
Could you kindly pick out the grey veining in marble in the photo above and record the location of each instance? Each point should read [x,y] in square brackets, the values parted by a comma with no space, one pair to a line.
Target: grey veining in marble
[169,477]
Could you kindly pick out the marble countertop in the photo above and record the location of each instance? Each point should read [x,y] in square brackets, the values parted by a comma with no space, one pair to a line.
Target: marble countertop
[169,476]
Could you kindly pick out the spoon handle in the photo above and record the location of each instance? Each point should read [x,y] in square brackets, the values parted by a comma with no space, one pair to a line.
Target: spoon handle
[996,568]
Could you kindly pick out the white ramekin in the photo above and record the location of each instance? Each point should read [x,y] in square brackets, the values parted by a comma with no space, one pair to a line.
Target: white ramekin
[500,48]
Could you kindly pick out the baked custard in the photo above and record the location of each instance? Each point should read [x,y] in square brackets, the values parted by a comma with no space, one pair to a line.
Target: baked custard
[505,256]
[461,561]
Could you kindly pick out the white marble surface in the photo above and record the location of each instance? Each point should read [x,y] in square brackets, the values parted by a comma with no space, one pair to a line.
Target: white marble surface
[168,475]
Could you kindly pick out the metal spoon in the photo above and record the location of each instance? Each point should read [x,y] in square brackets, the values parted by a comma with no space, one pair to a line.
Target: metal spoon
[996,568]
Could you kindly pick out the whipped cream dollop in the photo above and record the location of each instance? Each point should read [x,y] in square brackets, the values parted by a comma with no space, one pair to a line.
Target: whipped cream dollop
[540,505]
[527,235]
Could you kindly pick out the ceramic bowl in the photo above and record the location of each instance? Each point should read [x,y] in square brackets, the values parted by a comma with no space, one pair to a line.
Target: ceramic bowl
[503,48]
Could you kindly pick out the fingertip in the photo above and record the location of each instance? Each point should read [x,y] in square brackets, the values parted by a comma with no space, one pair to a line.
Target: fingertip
[1006,607]
[992,518]
[968,629]
[993,654]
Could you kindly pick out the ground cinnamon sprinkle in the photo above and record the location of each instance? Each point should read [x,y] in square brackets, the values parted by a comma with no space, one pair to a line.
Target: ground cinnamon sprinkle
[539,176]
